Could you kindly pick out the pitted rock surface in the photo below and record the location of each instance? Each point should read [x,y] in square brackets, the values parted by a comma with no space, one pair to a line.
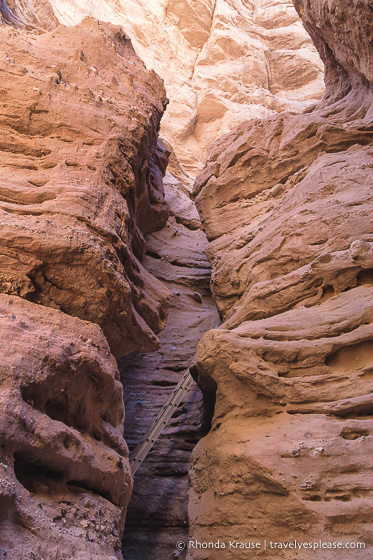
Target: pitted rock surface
[222,61]
[64,474]
[286,203]
[82,179]
[81,185]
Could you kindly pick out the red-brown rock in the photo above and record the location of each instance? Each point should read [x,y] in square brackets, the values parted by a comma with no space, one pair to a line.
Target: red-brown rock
[81,185]
[286,203]
[82,179]
[64,472]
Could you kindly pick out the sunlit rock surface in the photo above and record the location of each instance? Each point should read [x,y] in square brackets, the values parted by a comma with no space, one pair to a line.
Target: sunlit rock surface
[81,179]
[286,203]
[222,61]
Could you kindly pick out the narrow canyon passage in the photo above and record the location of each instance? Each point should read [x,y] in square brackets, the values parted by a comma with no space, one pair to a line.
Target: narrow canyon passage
[157,515]
[109,291]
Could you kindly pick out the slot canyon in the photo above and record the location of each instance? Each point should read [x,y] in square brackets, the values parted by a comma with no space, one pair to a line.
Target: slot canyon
[186,188]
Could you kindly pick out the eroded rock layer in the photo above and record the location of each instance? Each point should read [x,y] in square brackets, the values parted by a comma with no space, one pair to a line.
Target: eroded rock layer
[81,184]
[287,203]
[64,474]
[223,61]
[82,179]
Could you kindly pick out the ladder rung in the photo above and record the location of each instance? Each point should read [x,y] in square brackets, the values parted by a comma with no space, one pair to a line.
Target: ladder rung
[160,422]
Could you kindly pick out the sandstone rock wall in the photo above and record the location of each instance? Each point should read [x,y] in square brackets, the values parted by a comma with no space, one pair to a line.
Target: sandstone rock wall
[81,179]
[81,185]
[33,15]
[223,61]
[286,203]
[64,474]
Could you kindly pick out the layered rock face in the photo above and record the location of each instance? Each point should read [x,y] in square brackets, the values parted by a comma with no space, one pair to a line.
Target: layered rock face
[222,61]
[81,184]
[286,203]
[81,179]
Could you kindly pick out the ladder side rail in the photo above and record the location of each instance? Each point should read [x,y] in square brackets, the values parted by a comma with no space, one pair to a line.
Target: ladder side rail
[164,410]
[144,447]
[157,427]
[159,424]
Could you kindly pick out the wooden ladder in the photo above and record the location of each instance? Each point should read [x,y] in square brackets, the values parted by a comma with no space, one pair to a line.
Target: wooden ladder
[155,430]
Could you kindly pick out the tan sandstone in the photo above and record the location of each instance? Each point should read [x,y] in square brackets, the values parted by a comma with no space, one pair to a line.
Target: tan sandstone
[64,473]
[286,203]
[222,61]
[81,185]
[82,179]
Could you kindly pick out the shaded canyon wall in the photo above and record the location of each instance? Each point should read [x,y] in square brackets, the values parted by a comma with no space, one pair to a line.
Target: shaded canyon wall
[157,516]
